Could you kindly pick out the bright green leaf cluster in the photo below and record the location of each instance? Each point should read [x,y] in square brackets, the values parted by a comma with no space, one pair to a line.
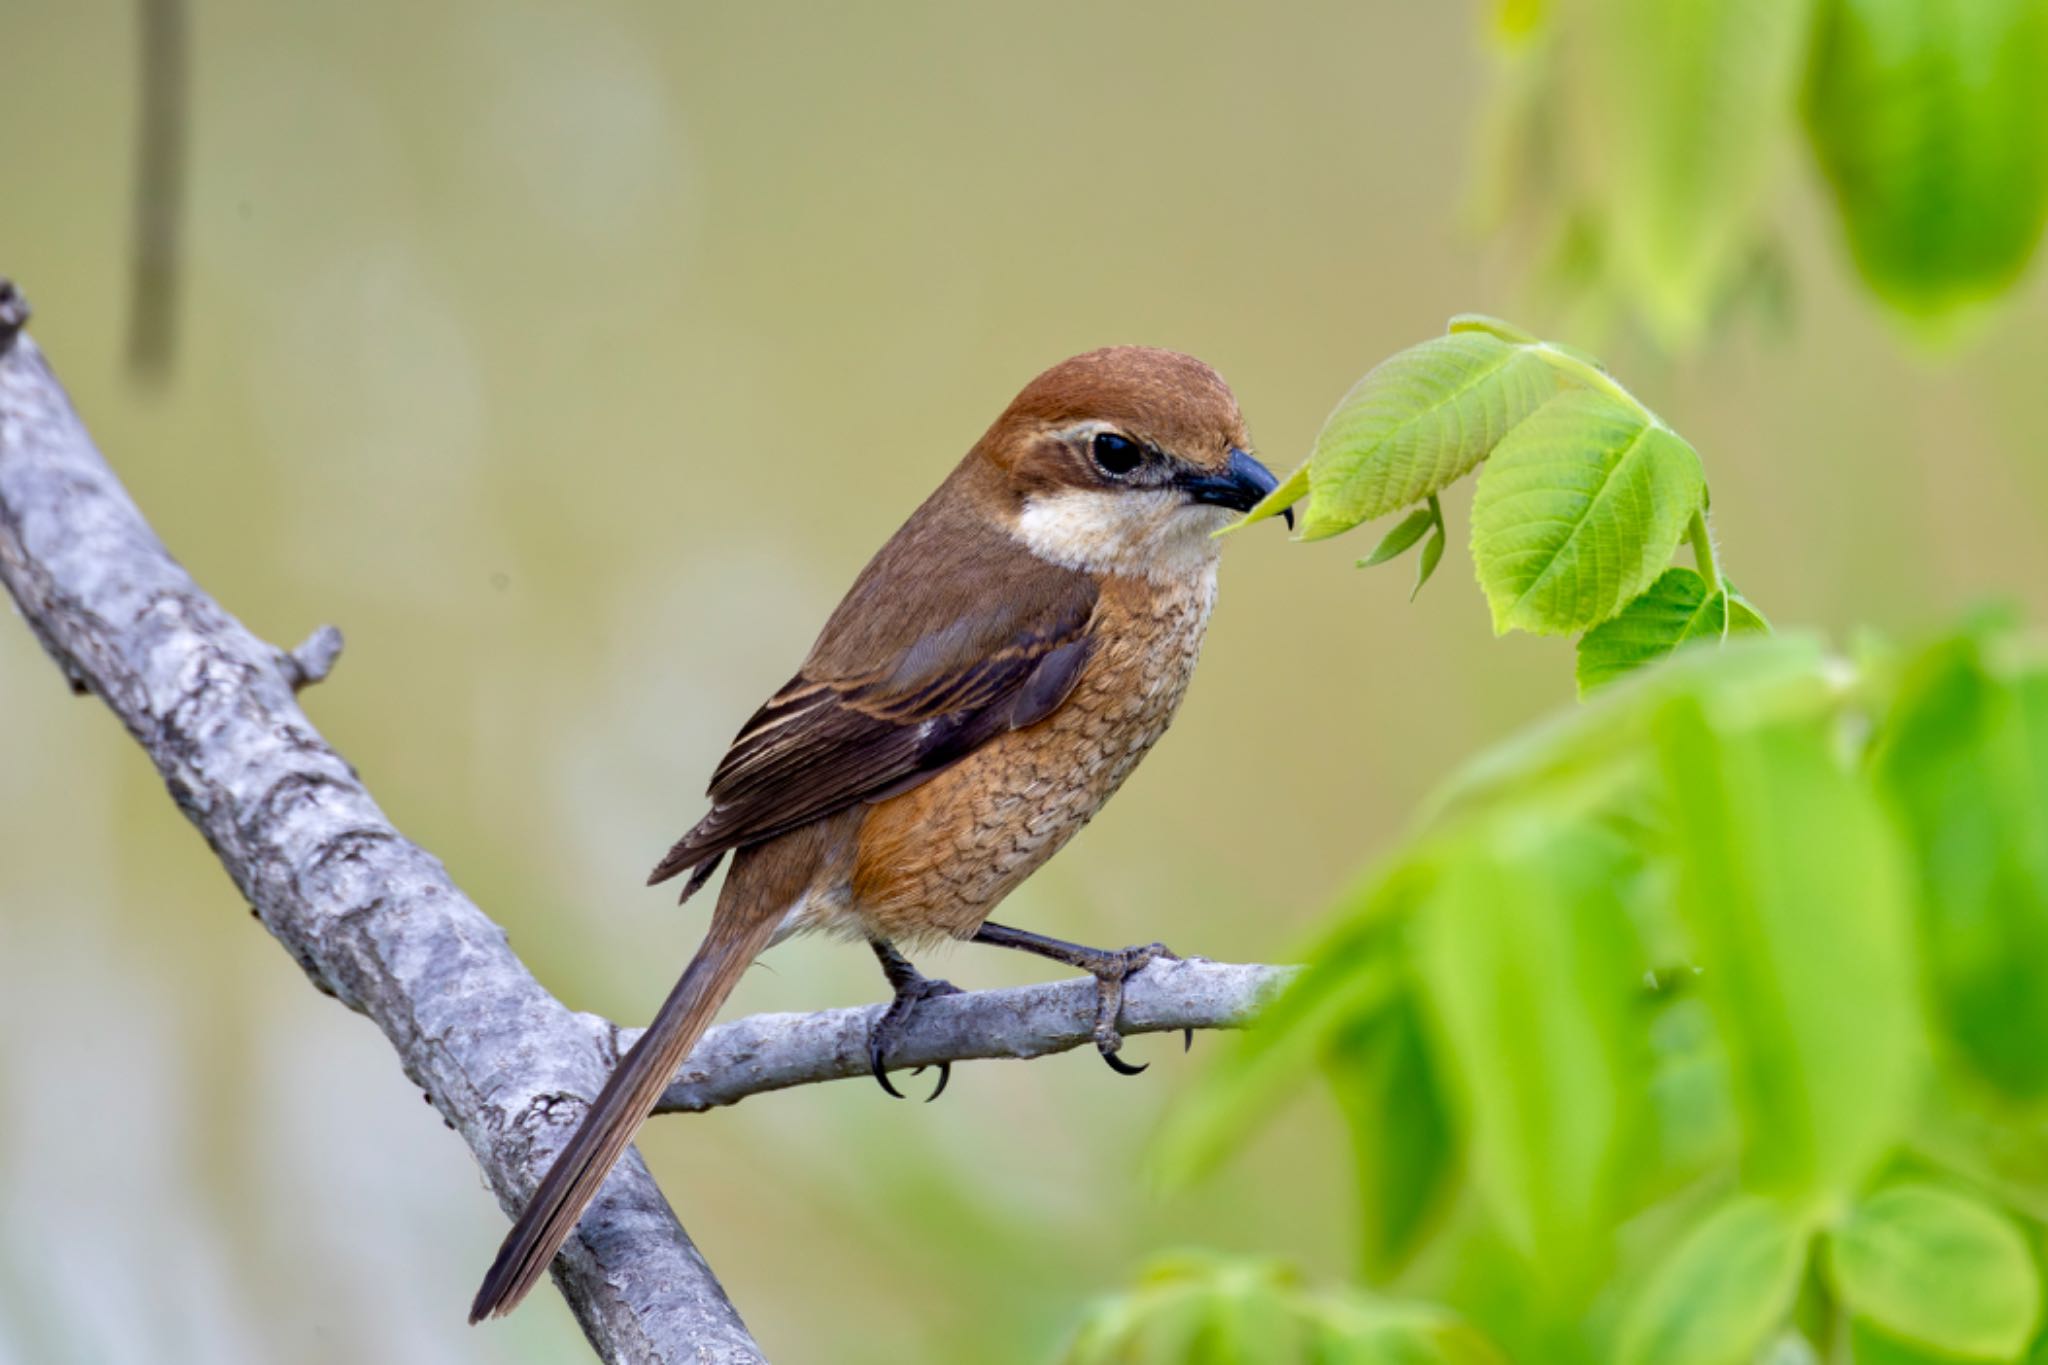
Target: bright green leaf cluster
[1703,1024]
[1202,1309]
[1584,496]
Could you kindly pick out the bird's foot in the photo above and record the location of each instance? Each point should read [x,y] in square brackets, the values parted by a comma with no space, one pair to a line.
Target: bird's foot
[1111,969]
[912,988]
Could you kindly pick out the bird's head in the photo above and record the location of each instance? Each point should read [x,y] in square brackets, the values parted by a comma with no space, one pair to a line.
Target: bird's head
[1124,460]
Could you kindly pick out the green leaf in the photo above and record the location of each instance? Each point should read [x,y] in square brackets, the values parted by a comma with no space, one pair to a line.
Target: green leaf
[1743,617]
[1578,511]
[1673,611]
[1417,422]
[1721,1292]
[1532,969]
[1792,891]
[1937,1269]
[1964,760]
[1930,122]
[1690,105]
[1401,537]
[1274,503]
[1403,1146]
[1432,555]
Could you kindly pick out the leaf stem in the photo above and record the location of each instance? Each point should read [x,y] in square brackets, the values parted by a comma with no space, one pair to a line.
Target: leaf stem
[1703,553]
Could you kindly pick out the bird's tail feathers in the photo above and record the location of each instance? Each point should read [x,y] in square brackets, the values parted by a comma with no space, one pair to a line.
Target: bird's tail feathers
[732,942]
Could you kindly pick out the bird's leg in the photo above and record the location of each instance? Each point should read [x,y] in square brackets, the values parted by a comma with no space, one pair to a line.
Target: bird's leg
[912,988]
[1110,967]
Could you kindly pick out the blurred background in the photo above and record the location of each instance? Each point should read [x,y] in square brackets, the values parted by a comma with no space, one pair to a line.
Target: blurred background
[573,363]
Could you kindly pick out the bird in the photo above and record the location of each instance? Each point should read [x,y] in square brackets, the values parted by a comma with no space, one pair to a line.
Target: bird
[992,677]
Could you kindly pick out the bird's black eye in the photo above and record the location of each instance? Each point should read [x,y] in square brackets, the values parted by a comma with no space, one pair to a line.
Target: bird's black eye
[1117,455]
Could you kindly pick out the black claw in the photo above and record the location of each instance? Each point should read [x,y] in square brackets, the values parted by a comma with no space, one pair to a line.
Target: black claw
[911,990]
[875,1065]
[1187,1040]
[1122,1067]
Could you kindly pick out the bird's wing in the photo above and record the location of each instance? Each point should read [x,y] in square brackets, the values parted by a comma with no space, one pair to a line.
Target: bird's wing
[915,671]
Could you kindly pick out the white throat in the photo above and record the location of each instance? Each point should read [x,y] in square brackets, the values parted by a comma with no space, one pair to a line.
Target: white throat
[1153,533]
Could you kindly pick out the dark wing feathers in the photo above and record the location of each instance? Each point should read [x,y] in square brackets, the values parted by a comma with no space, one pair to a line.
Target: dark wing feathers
[867,720]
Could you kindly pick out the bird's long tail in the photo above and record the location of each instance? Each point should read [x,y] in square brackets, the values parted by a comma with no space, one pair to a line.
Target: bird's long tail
[732,942]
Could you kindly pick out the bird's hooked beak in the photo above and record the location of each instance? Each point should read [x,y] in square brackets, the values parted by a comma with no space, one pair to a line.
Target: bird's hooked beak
[1243,482]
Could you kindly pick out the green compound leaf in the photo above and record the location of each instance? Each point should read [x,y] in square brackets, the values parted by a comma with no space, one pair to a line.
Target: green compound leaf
[1690,103]
[1397,541]
[1675,610]
[1930,121]
[1417,422]
[1578,510]
[1937,1269]
[1726,1286]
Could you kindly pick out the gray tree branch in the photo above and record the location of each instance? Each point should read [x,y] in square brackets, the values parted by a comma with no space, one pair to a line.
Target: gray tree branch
[372,918]
[775,1051]
[375,921]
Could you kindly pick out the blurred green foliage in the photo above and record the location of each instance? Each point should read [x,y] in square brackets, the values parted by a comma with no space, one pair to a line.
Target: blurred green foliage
[1695,1027]
[1201,1309]
[1694,1023]
[1639,139]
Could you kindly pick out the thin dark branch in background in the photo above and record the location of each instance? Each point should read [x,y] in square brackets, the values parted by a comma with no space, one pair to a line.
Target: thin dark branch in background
[375,921]
[162,113]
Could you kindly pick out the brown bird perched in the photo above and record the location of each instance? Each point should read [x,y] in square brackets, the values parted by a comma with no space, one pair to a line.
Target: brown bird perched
[993,676]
